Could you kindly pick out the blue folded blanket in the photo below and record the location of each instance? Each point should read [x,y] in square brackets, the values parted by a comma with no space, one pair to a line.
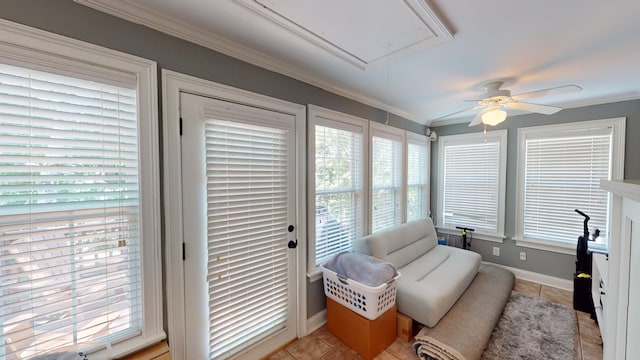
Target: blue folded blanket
[362,268]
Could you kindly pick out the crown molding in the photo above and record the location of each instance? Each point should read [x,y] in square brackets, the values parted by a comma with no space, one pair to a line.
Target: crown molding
[128,10]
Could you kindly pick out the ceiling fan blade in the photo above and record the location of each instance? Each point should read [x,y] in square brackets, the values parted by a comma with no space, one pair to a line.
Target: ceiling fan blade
[477,120]
[460,112]
[534,108]
[550,91]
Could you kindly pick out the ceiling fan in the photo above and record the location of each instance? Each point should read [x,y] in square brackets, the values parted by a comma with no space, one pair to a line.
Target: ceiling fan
[495,101]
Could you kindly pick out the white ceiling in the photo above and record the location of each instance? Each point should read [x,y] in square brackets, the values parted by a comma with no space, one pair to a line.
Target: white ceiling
[442,51]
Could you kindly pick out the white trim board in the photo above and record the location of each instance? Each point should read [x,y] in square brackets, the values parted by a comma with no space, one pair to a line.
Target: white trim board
[316,321]
[543,279]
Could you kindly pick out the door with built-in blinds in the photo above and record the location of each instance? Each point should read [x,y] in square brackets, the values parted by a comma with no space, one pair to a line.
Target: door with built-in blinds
[238,176]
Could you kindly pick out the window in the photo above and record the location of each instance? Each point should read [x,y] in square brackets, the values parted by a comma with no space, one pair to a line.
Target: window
[387,156]
[73,229]
[559,170]
[338,181]
[417,176]
[471,184]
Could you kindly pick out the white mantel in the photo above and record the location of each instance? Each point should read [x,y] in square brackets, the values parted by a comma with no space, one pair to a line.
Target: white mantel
[629,189]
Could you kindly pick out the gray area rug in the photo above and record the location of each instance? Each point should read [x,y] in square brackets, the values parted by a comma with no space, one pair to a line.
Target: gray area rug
[533,328]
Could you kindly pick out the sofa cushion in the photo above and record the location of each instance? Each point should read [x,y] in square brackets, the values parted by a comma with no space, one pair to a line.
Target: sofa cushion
[402,244]
[431,284]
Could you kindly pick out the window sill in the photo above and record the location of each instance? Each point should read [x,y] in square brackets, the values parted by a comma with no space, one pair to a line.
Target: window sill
[475,236]
[314,275]
[546,245]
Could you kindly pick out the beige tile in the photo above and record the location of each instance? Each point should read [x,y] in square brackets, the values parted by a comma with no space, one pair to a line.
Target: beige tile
[325,335]
[403,350]
[588,329]
[385,356]
[343,352]
[591,351]
[281,355]
[308,348]
[527,288]
[555,295]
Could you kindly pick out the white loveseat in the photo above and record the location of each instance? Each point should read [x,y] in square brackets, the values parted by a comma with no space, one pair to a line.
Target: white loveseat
[433,276]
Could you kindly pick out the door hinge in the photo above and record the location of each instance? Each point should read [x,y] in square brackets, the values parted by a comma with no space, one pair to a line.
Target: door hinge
[184,252]
[180,126]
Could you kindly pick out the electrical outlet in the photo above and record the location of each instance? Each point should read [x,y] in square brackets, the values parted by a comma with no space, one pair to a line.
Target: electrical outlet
[496,251]
[523,256]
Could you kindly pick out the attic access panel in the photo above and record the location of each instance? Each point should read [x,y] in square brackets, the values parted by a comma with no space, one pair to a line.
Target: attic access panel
[358,31]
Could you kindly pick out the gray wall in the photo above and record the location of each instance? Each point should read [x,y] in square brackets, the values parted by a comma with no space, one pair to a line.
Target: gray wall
[67,18]
[543,262]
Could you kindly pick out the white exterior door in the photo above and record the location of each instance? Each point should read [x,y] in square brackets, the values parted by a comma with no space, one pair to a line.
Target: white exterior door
[239,206]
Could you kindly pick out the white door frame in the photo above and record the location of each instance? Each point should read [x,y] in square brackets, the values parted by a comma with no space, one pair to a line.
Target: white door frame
[173,84]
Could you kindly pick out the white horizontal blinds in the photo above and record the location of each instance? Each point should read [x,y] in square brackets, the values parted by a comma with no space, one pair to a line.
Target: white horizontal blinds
[386,175]
[247,172]
[563,173]
[69,212]
[338,212]
[417,162]
[471,183]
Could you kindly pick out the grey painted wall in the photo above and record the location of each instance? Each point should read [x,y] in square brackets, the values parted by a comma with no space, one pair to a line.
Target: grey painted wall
[543,262]
[67,18]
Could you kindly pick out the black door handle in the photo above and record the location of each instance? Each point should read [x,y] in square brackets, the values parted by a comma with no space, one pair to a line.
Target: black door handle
[292,245]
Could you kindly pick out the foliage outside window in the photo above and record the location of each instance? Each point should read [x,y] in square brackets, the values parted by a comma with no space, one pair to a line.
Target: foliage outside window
[338,187]
[417,179]
[386,180]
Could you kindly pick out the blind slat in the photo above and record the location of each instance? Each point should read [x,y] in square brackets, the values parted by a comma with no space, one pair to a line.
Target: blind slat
[247,171]
[338,188]
[562,172]
[471,184]
[69,204]
[386,182]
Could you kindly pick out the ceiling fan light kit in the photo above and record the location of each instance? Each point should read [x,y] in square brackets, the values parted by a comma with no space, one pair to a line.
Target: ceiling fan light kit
[493,116]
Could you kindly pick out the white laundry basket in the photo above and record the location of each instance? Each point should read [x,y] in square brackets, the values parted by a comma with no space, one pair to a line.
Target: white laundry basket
[367,301]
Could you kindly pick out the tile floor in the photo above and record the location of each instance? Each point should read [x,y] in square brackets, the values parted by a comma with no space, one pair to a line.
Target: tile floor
[322,345]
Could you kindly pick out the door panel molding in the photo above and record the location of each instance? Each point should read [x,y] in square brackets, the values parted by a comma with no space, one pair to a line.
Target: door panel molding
[173,84]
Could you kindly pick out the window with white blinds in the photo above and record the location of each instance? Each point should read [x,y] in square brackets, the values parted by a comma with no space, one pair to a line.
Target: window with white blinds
[386,178]
[247,219]
[338,182]
[70,234]
[560,171]
[472,181]
[417,177]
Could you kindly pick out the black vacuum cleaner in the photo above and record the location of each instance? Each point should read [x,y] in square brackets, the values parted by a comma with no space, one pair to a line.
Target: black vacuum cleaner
[582,300]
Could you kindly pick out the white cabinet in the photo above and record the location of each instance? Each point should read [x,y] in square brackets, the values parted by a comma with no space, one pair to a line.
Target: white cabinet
[599,280]
[621,321]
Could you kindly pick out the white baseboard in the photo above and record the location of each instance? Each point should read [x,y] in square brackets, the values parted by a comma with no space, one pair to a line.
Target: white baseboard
[316,321]
[537,277]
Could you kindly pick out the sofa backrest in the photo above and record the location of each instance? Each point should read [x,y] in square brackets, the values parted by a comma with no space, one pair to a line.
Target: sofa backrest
[401,244]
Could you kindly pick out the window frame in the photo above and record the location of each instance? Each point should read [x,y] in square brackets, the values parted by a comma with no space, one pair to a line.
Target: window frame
[419,140]
[618,126]
[475,138]
[394,134]
[28,47]
[317,116]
